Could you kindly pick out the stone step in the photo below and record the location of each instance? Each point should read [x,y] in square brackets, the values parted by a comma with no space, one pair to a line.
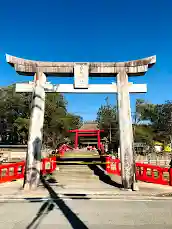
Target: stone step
[76,175]
[77,178]
[87,181]
[80,177]
[81,156]
[84,187]
[88,176]
[74,170]
[79,166]
[90,186]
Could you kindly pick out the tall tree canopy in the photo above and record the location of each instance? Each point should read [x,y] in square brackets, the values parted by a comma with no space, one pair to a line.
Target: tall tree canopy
[155,121]
[15,115]
[150,121]
[159,117]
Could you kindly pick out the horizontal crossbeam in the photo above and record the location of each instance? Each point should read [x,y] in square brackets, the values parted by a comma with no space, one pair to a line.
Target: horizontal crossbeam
[85,131]
[93,88]
[29,67]
[86,135]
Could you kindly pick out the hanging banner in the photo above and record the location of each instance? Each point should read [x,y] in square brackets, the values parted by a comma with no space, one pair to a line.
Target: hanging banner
[81,74]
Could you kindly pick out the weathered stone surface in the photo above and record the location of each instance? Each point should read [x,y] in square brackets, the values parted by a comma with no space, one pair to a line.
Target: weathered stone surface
[33,161]
[29,67]
[125,127]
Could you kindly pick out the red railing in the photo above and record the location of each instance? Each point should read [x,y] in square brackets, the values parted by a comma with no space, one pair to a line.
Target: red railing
[14,171]
[63,148]
[144,172]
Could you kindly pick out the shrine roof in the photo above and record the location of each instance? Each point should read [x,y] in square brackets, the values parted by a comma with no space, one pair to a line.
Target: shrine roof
[89,126]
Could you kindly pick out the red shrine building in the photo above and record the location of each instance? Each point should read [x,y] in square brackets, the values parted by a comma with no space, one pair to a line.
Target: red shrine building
[88,134]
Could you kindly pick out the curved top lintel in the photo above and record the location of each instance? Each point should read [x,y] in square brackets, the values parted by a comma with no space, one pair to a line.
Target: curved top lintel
[20,61]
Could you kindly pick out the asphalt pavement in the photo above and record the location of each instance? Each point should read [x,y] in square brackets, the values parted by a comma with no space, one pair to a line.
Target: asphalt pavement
[83,214]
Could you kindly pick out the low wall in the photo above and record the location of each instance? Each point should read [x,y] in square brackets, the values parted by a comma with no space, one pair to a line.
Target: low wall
[144,172]
[155,159]
[17,152]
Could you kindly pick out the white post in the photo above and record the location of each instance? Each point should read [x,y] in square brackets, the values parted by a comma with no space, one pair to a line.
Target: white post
[33,160]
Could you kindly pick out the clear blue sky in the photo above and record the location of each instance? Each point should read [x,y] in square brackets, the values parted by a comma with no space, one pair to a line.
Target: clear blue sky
[104,30]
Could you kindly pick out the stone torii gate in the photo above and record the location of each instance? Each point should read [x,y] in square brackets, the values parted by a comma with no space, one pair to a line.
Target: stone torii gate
[81,73]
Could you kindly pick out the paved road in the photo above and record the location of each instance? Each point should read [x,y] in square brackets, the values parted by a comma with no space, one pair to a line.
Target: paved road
[93,214]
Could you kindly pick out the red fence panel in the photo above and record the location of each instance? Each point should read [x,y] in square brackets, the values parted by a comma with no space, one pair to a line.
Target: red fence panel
[48,165]
[152,174]
[144,172]
[14,171]
[63,148]
[108,162]
[113,165]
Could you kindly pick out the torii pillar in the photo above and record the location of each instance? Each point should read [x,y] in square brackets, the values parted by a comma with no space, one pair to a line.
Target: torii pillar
[127,156]
[33,161]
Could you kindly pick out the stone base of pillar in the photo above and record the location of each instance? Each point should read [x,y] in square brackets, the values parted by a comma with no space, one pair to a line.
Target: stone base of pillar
[135,186]
[27,187]
[128,189]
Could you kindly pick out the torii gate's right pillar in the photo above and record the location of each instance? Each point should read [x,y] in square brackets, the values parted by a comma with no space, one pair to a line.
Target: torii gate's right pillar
[127,155]
[126,133]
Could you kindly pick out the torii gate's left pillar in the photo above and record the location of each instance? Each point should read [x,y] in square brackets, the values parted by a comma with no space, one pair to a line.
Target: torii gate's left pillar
[33,161]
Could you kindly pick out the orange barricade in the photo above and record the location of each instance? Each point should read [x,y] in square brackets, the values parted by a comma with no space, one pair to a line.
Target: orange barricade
[144,172]
[14,171]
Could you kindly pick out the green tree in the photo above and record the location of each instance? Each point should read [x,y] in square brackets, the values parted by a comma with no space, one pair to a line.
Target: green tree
[163,121]
[107,120]
[142,128]
[15,117]
[155,120]
[13,109]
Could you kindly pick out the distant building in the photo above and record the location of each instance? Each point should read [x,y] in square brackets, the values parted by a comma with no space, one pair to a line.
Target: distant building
[90,140]
[89,126]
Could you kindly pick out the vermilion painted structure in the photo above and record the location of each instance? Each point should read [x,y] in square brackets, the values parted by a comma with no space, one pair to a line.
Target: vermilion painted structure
[15,171]
[144,172]
[87,133]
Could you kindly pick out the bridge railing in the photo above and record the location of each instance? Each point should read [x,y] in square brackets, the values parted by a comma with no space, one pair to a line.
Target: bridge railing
[14,171]
[144,172]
